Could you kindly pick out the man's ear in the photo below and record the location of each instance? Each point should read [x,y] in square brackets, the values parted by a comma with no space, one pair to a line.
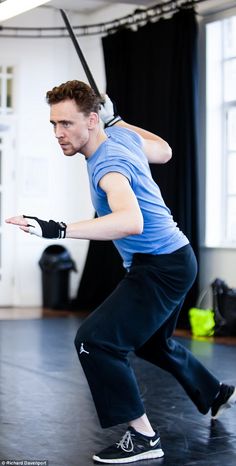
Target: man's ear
[93,120]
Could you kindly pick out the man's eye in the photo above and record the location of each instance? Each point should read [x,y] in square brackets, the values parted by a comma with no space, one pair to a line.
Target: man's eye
[66,124]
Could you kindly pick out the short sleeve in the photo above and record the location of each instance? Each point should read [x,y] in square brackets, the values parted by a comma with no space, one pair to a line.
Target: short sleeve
[110,167]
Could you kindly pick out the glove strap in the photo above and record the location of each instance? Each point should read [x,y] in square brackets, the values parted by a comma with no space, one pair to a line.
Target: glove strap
[113,121]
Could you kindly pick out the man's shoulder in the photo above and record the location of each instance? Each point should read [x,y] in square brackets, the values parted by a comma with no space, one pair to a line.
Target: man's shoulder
[123,135]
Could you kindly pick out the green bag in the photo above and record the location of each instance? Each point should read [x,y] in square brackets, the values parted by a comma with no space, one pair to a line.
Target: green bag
[202,321]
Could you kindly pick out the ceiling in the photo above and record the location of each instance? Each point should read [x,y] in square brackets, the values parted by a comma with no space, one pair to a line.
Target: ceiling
[90,6]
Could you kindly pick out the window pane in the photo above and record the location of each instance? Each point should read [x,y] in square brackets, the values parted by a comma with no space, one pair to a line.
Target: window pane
[9,69]
[221,132]
[231,129]
[230,37]
[230,80]
[231,219]
[231,185]
[9,93]
[0,92]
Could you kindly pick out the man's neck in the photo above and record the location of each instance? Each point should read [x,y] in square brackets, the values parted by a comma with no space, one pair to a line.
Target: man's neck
[95,141]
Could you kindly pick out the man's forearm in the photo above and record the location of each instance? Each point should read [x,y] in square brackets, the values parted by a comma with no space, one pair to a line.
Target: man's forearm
[157,150]
[109,227]
[142,132]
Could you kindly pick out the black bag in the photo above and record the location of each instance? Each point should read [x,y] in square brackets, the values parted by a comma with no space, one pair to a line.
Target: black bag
[224,306]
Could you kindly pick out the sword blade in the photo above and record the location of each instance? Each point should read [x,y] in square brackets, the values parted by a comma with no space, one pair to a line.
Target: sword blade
[80,54]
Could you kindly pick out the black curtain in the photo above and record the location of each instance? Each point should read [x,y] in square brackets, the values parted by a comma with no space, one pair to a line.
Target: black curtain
[102,272]
[152,75]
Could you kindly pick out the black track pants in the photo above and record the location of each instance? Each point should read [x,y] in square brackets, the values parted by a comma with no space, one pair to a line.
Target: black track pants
[140,315]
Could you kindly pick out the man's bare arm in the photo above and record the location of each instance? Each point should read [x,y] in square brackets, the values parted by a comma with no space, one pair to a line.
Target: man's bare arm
[125,218]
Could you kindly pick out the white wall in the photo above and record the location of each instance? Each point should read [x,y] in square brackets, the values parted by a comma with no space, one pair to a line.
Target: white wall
[217,263]
[48,185]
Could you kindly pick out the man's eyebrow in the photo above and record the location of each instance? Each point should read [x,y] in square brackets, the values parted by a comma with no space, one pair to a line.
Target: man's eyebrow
[60,121]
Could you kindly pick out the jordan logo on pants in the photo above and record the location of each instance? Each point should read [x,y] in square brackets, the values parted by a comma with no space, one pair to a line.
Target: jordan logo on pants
[82,350]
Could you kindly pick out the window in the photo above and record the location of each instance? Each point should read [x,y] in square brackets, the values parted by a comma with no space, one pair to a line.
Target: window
[6,90]
[0,208]
[221,133]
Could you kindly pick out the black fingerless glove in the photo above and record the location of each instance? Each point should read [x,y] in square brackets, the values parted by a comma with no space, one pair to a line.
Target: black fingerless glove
[45,229]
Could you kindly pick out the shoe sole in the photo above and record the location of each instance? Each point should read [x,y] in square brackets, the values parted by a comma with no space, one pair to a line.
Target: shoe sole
[231,401]
[142,456]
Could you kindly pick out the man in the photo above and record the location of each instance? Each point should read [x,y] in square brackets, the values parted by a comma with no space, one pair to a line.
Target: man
[141,314]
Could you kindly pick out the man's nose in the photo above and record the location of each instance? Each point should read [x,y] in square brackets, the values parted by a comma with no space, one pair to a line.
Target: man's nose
[58,132]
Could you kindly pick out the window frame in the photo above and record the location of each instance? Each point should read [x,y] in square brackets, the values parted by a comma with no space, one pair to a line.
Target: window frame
[204,20]
[5,75]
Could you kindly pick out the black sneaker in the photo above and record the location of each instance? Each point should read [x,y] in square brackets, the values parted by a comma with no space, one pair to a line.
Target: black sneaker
[225,399]
[132,447]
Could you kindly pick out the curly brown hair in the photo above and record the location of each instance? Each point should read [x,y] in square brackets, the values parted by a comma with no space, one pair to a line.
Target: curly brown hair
[84,96]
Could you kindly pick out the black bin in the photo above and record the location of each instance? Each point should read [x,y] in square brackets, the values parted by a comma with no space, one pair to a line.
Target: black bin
[56,265]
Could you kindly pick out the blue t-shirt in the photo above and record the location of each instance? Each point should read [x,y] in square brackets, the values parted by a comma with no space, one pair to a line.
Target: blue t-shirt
[122,152]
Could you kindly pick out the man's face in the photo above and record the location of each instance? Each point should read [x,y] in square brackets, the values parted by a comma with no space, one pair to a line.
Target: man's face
[71,126]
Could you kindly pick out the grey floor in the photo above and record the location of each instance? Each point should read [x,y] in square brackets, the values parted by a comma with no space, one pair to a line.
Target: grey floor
[47,414]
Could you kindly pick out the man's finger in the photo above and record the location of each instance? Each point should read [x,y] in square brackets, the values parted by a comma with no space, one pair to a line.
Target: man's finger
[25,229]
[19,220]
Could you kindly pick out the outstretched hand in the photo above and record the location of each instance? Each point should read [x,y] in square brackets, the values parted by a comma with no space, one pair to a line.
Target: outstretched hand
[38,227]
[19,221]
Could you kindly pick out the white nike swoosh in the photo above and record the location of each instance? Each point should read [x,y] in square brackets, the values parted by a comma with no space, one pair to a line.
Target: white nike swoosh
[154,442]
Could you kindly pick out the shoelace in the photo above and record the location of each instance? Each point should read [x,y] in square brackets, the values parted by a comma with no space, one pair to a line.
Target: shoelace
[126,443]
